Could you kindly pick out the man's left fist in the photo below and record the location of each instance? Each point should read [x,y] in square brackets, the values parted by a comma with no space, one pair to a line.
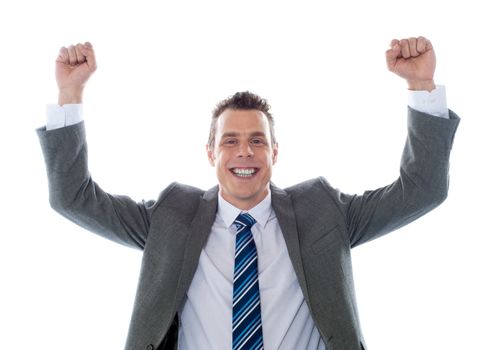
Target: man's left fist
[414,60]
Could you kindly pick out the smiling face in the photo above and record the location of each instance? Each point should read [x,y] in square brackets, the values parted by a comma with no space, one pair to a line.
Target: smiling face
[243,155]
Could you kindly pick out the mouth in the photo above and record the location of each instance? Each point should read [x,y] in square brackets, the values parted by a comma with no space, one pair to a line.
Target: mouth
[244,172]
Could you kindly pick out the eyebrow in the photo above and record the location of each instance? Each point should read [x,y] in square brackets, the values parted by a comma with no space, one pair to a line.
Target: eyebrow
[236,134]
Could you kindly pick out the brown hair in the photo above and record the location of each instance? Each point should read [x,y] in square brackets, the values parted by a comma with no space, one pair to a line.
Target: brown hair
[241,100]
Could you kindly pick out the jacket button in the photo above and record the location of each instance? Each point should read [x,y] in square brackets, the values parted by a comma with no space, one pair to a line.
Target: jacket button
[150,347]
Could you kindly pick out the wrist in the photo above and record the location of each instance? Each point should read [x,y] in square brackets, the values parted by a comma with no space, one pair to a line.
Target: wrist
[70,96]
[421,85]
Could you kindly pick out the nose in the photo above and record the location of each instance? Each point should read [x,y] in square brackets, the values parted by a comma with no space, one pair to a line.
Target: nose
[244,150]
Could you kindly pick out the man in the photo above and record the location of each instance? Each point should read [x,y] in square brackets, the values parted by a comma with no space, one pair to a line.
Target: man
[246,265]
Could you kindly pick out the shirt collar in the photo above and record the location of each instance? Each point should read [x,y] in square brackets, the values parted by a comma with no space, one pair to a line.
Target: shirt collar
[228,212]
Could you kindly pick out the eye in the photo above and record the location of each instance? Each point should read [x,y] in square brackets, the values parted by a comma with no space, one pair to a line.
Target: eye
[229,142]
[257,141]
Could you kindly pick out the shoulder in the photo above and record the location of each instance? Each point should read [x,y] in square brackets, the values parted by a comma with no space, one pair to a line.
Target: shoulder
[318,186]
[318,192]
[306,186]
[178,197]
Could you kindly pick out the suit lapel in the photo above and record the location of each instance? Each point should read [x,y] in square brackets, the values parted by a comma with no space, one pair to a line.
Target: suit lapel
[282,205]
[200,229]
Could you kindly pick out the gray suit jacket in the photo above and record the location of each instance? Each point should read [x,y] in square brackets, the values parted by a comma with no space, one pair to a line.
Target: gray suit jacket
[319,223]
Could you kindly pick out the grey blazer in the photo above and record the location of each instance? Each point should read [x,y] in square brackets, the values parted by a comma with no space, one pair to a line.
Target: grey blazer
[319,223]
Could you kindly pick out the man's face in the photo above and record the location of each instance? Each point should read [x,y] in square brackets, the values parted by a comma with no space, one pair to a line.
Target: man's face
[243,155]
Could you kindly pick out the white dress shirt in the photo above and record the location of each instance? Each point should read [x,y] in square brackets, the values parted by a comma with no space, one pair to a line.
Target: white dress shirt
[205,316]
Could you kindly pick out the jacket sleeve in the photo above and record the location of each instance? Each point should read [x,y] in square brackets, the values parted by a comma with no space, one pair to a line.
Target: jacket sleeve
[74,194]
[422,185]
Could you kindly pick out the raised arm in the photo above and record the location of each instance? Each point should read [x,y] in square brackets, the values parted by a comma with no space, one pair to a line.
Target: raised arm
[424,171]
[72,191]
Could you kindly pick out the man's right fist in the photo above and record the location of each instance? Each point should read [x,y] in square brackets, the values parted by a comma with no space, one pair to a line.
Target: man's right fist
[73,67]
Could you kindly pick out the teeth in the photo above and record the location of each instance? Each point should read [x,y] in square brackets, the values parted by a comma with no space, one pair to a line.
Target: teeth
[244,172]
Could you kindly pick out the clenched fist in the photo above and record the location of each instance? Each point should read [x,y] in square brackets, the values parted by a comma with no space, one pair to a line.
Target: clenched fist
[414,60]
[73,67]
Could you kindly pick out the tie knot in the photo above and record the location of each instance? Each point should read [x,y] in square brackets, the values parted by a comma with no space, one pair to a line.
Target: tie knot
[244,220]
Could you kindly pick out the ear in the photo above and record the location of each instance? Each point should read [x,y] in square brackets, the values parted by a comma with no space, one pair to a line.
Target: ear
[210,154]
[275,153]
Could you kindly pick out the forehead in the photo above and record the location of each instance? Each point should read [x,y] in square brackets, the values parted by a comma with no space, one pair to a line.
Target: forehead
[242,121]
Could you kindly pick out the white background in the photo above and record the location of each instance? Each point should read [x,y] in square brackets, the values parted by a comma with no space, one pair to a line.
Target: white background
[339,113]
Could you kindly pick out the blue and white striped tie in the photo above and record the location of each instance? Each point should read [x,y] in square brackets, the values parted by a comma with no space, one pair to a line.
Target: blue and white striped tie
[246,319]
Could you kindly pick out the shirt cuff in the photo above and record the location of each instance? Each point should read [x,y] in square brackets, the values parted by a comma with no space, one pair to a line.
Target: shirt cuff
[65,115]
[433,102]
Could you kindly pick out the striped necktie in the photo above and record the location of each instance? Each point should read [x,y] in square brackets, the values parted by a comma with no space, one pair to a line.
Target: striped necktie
[246,319]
